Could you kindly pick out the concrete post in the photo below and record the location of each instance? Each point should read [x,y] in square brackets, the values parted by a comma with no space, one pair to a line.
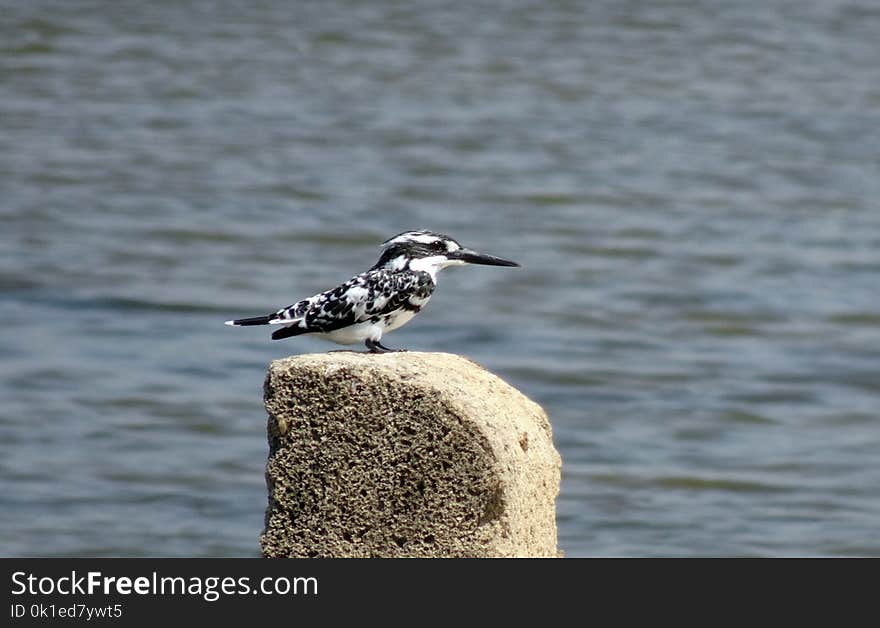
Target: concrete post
[405,455]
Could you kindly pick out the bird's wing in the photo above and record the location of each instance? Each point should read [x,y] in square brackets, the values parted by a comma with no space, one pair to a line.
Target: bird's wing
[292,313]
[368,296]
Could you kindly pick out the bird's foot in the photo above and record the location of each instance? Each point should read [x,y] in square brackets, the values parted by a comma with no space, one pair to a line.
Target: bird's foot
[374,346]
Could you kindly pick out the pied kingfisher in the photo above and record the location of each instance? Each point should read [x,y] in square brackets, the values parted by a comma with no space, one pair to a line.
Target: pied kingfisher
[380,300]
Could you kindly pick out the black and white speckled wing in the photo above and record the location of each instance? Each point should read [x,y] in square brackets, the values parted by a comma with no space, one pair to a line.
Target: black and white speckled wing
[370,296]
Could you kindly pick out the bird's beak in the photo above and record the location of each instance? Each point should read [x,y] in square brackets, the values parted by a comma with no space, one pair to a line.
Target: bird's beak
[473,257]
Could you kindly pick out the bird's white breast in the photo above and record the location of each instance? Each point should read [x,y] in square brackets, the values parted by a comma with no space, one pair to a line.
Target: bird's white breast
[398,319]
[354,334]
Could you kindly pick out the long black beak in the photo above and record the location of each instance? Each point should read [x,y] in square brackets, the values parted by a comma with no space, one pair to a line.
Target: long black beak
[473,257]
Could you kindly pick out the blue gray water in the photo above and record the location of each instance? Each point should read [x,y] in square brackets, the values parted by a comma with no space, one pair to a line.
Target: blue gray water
[691,186]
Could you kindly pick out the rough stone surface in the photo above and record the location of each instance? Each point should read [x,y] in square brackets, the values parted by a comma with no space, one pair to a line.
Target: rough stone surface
[405,454]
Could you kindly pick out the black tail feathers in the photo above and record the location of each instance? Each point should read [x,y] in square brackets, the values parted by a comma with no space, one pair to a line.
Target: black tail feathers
[287,332]
[284,332]
[246,322]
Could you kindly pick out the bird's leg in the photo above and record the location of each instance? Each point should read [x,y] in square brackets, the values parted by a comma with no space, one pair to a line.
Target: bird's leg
[388,349]
[376,346]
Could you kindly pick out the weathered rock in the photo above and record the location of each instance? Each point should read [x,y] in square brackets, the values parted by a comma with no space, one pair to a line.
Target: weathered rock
[405,454]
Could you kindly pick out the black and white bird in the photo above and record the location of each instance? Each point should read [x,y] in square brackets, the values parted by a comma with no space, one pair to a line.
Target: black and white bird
[387,296]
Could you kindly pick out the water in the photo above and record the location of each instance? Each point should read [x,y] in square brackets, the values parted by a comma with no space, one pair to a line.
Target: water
[692,188]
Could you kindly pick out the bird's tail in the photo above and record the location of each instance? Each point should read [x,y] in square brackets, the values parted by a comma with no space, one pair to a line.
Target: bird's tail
[287,332]
[246,322]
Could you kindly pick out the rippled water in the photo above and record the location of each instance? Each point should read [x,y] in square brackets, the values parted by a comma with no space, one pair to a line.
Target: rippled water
[692,188]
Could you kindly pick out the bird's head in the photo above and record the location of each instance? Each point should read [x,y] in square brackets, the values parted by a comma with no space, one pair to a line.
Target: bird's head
[431,252]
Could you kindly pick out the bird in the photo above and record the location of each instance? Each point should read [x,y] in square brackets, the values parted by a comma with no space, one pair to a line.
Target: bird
[380,300]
